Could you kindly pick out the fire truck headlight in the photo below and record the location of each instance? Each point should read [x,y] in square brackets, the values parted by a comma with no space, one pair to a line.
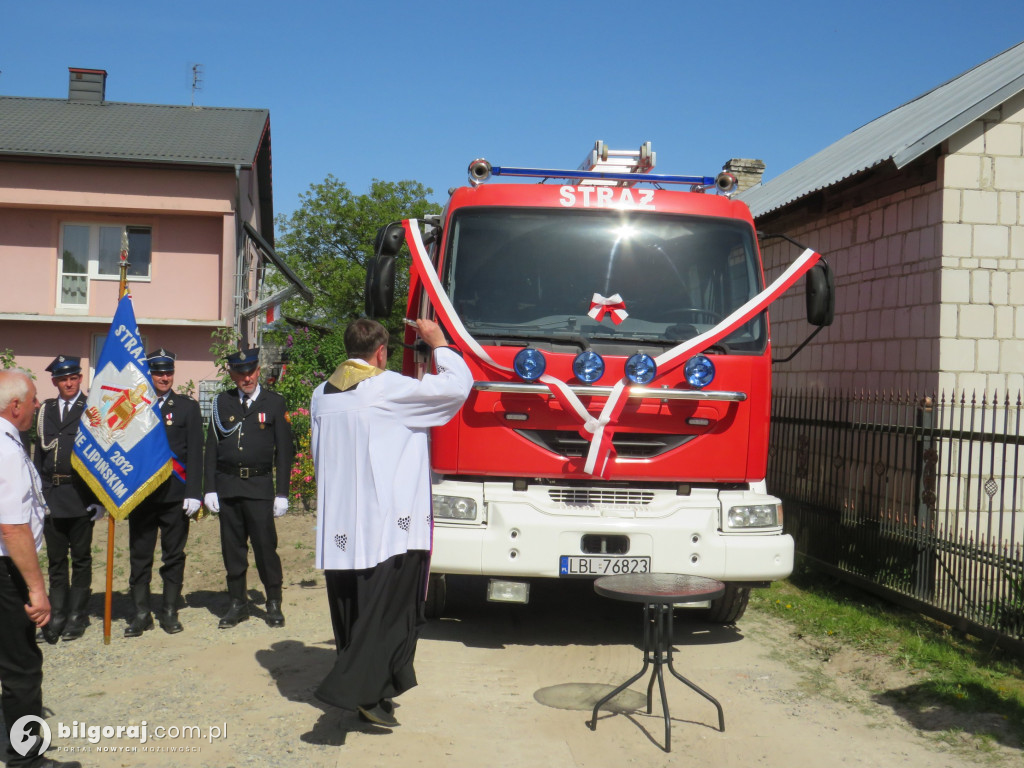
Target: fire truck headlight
[454,508]
[641,368]
[755,516]
[699,371]
[529,363]
[588,366]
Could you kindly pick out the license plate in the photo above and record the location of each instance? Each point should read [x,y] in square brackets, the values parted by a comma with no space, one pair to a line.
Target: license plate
[601,565]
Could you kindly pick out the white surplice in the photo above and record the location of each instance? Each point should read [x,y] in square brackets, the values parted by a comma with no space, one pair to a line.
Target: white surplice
[370,450]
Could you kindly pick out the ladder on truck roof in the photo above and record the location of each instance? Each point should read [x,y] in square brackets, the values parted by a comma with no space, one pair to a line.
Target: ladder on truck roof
[608,168]
[603,160]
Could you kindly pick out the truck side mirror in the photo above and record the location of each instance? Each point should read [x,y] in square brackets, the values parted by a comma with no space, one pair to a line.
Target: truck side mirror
[379,294]
[821,294]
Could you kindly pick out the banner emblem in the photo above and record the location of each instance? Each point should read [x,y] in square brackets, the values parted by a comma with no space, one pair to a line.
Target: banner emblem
[121,449]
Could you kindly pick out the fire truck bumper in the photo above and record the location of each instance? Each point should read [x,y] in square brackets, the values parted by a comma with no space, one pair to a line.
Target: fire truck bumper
[538,533]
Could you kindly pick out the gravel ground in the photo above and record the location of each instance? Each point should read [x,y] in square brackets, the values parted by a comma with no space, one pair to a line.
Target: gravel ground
[499,685]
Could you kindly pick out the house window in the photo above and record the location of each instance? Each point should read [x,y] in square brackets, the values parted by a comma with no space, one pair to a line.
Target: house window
[93,252]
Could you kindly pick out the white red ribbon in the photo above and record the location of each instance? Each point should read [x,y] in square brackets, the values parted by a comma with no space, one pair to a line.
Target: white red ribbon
[613,305]
[598,429]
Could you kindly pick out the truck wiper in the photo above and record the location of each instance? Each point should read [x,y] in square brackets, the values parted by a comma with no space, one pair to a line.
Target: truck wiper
[718,347]
[574,338]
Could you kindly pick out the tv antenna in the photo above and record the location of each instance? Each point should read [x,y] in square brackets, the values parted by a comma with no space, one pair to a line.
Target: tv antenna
[197,81]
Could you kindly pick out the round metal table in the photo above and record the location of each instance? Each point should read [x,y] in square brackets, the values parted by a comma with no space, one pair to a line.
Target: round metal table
[659,593]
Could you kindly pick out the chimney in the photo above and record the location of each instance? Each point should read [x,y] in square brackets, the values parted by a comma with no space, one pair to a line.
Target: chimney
[87,85]
[748,173]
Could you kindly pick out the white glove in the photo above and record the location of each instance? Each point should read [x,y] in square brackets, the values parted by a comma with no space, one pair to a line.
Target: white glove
[212,502]
[97,510]
[280,506]
[191,506]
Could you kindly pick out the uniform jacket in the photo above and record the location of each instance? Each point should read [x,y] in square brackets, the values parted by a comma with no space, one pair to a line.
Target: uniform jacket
[183,423]
[259,439]
[66,498]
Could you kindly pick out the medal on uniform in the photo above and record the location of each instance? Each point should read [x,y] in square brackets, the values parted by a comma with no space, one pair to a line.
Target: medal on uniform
[168,420]
[263,420]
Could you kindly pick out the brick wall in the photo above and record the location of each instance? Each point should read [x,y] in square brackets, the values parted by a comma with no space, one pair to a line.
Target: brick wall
[929,280]
[885,255]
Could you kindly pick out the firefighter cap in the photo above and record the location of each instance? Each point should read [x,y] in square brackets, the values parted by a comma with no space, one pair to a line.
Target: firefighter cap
[161,361]
[244,360]
[64,365]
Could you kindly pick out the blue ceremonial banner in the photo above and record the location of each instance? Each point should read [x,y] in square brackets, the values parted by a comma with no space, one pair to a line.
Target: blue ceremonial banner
[121,448]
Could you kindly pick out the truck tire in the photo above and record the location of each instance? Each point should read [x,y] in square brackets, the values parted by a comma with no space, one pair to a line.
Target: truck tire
[729,608]
[437,595]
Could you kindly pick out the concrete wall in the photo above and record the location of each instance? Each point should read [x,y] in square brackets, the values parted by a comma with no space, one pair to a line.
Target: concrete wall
[982,292]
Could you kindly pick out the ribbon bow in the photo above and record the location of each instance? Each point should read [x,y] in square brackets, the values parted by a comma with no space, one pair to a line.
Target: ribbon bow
[613,305]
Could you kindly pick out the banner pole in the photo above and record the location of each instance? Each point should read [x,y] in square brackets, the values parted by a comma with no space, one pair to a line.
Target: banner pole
[107,600]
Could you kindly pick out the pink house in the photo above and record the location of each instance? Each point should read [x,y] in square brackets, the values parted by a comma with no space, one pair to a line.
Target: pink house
[191,188]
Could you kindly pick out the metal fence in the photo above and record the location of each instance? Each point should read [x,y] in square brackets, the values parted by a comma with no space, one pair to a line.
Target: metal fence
[916,498]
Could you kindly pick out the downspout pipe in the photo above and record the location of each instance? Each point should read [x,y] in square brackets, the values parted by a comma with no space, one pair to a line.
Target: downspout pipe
[239,260]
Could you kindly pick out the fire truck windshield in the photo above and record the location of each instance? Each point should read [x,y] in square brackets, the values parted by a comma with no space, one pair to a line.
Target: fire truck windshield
[529,273]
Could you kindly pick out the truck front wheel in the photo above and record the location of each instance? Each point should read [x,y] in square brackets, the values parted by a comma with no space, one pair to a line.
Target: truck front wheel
[437,595]
[729,608]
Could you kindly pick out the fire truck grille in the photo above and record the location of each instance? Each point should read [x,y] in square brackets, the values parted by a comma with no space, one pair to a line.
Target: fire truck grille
[589,497]
[627,445]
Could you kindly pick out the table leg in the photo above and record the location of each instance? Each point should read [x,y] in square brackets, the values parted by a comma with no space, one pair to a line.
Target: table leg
[616,692]
[694,686]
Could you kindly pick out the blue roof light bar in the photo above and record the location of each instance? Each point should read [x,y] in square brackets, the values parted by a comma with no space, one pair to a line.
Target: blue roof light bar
[654,178]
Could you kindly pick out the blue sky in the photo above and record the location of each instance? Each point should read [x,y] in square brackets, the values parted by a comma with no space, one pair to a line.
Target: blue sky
[400,90]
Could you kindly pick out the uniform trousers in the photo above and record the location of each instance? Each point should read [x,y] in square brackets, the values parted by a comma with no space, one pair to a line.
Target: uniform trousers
[66,535]
[169,520]
[243,520]
[21,661]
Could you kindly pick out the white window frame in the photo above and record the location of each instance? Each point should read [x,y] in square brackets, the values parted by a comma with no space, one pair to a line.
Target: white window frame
[93,262]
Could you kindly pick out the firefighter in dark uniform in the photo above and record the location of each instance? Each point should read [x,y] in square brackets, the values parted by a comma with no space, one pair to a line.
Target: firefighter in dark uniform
[168,508]
[73,506]
[248,447]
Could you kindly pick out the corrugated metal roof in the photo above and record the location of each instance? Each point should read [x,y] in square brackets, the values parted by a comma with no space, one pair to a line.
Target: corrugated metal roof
[132,132]
[900,136]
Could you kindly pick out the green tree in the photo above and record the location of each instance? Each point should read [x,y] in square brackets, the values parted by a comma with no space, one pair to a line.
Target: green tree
[328,242]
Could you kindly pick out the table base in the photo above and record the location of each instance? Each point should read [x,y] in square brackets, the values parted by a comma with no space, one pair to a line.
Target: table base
[658,653]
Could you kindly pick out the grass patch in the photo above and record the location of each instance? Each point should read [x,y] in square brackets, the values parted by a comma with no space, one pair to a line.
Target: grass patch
[952,672]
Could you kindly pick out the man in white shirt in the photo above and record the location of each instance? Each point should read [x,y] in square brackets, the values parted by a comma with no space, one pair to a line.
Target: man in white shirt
[24,604]
[370,433]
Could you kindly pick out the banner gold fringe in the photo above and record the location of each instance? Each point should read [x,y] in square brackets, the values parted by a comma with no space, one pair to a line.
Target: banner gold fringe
[120,512]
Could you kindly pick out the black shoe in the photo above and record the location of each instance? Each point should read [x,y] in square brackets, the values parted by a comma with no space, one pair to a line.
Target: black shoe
[47,762]
[274,616]
[75,628]
[78,610]
[381,713]
[139,624]
[168,616]
[51,635]
[238,611]
[169,621]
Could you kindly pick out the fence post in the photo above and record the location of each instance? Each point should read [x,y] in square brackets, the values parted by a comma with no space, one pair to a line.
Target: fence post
[924,469]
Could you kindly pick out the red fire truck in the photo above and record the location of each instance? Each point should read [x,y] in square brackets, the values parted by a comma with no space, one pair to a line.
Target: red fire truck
[618,336]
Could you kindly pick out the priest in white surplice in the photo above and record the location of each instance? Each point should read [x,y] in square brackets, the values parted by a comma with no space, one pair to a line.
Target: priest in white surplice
[370,430]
